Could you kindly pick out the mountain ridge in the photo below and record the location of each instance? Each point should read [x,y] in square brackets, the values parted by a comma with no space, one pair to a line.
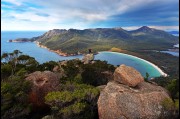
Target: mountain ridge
[99,39]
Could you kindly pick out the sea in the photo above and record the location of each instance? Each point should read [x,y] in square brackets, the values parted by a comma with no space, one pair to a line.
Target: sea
[43,55]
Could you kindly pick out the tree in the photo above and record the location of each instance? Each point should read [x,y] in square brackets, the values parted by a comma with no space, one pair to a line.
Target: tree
[147,76]
[16,58]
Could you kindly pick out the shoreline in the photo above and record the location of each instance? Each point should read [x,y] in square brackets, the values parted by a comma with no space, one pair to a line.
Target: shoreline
[59,52]
[155,66]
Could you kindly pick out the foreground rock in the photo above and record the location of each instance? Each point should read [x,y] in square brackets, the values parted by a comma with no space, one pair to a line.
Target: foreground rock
[129,97]
[42,83]
[127,75]
[118,101]
[88,58]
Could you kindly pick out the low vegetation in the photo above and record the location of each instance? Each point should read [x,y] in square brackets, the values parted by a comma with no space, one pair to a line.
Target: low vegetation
[77,94]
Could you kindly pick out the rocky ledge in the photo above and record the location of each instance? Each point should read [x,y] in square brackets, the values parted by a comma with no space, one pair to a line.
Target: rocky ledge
[129,97]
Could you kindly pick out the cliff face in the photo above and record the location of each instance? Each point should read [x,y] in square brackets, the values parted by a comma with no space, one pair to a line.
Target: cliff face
[119,100]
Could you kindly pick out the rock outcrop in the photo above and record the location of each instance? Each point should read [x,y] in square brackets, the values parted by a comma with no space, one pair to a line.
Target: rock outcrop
[121,101]
[42,83]
[59,71]
[127,75]
[88,58]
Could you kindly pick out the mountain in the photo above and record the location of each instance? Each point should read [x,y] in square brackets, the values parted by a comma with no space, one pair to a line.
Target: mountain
[99,39]
[176,33]
[74,40]
[153,33]
[173,32]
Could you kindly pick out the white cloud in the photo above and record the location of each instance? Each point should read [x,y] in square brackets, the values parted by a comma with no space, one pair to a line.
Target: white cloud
[165,28]
[16,25]
[16,2]
[71,13]
[30,16]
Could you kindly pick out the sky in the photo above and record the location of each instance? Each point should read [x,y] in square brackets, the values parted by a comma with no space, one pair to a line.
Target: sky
[82,14]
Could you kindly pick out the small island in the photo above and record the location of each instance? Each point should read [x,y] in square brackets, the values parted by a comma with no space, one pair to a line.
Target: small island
[21,40]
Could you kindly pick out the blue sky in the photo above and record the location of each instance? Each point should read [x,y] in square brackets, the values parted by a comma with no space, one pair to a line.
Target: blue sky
[82,14]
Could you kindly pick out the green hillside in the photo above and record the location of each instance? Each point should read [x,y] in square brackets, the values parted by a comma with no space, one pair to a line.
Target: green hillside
[99,39]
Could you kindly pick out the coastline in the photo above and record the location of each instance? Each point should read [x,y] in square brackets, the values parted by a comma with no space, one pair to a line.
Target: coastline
[155,66]
[59,52]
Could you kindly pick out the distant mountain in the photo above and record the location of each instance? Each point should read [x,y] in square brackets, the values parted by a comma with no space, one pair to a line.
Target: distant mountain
[154,33]
[99,39]
[176,33]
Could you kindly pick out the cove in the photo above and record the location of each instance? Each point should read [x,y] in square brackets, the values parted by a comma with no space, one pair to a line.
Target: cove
[139,64]
[43,55]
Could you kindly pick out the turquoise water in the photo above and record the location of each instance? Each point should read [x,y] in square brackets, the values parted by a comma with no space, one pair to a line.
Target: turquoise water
[120,58]
[43,55]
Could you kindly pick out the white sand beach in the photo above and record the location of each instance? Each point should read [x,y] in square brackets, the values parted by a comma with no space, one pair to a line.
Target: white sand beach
[155,66]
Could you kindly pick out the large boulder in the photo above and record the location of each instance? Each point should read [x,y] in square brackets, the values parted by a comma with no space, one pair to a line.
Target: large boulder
[127,75]
[88,58]
[42,83]
[118,101]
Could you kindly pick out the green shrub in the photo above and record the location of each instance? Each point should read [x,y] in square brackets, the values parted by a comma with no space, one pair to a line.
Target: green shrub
[14,97]
[73,101]
[168,104]
[177,104]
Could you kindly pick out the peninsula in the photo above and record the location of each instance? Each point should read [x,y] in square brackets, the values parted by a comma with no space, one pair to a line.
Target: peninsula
[74,41]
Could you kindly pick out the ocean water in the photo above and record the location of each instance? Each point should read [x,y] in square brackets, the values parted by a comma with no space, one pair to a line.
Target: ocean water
[43,55]
[138,64]
[172,53]
[30,48]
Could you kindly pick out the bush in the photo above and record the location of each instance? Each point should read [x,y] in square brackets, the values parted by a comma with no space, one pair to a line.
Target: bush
[14,97]
[73,101]
[47,66]
[177,104]
[168,104]
[6,71]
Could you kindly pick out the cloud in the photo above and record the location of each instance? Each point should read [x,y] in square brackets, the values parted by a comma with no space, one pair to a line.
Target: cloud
[165,28]
[96,13]
[15,2]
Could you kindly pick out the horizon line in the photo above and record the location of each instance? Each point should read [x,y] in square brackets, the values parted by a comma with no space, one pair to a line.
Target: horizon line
[125,28]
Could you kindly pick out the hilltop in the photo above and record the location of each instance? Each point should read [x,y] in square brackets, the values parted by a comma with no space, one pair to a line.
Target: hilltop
[99,39]
[79,89]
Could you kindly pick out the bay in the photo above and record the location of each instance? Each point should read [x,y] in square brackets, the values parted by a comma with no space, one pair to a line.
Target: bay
[43,55]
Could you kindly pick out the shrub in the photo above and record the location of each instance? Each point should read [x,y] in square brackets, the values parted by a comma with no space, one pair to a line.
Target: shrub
[74,101]
[168,104]
[14,97]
